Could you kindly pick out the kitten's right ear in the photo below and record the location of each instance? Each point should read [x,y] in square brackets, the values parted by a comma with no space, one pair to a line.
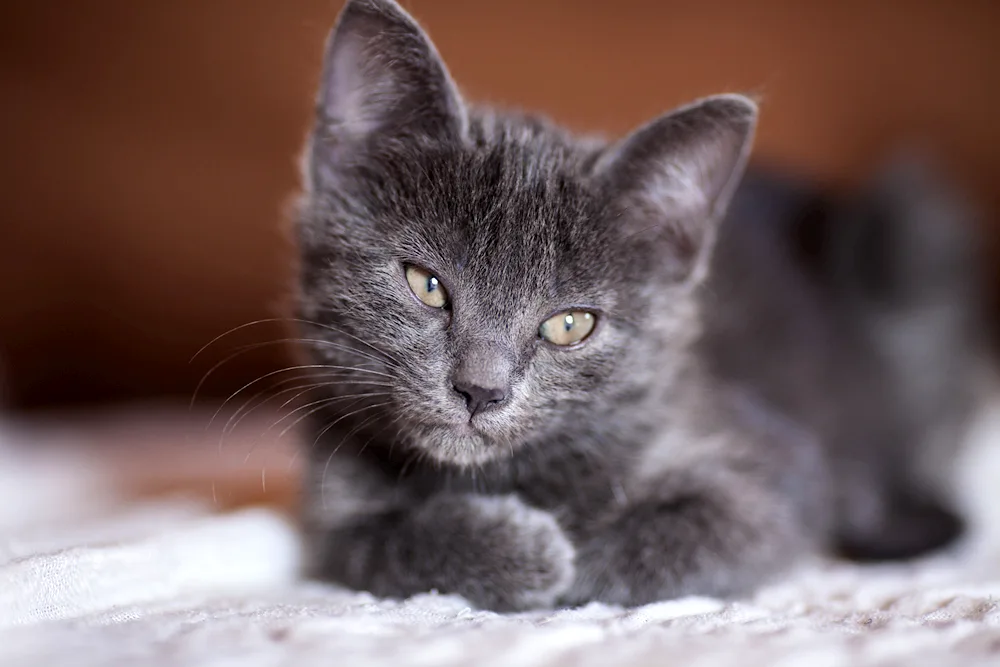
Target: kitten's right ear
[673,178]
[381,74]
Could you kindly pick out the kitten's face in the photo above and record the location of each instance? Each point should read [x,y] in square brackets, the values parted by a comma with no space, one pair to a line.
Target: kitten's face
[480,281]
[463,258]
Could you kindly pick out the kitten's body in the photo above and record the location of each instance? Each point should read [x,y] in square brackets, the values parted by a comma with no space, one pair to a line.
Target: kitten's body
[648,461]
[860,318]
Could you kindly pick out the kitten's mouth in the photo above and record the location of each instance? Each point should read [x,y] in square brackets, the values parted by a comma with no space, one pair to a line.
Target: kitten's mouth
[464,426]
[467,431]
[458,443]
[467,428]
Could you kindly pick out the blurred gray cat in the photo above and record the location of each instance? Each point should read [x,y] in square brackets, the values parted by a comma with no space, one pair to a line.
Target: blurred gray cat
[541,385]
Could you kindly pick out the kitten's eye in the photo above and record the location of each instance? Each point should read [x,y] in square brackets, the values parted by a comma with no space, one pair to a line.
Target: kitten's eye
[568,327]
[426,287]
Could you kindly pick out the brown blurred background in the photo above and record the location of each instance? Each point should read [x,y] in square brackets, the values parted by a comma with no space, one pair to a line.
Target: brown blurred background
[149,146]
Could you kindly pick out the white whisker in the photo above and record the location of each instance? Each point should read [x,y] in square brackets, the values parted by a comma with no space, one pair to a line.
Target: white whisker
[286,370]
[326,467]
[301,389]
[322,403]
[296,320]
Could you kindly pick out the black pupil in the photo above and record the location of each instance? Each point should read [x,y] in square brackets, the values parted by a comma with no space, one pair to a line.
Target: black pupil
[432,283]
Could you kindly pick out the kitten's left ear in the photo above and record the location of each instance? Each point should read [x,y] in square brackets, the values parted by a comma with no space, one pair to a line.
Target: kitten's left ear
[382,78]
[673,178]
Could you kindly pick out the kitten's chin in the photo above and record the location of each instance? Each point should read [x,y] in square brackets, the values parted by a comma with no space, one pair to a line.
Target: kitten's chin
[460,445]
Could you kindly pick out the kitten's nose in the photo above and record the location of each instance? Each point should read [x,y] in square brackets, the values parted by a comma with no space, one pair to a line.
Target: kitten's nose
[479,399]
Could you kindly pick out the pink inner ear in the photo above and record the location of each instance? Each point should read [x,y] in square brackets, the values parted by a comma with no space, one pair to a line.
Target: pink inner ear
[352,85]
[686,163]
[678,188]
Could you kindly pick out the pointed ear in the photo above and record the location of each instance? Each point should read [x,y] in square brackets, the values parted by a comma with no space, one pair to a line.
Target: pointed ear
[672,179]
[381,75]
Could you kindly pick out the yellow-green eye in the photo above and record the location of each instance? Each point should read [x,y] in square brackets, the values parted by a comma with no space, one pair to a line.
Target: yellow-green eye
[426,287]
[568,327]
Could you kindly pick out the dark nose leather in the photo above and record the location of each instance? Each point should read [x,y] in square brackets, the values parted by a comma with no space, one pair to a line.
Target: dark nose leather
[478,399]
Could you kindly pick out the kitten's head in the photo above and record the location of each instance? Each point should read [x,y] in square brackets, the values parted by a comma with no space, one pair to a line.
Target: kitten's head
[478,280]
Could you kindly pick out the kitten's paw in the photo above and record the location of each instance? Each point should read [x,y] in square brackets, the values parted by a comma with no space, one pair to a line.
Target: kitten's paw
[512,556]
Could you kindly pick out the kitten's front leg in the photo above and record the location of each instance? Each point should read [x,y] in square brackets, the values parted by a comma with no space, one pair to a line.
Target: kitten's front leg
[496,552]
[721,535]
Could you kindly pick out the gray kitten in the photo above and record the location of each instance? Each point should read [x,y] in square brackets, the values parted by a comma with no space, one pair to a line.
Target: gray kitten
[540,384]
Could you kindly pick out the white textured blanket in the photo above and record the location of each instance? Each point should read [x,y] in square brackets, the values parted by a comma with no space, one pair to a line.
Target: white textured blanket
[89,579]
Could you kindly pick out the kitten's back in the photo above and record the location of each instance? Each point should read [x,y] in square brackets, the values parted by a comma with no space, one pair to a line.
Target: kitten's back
[808,304]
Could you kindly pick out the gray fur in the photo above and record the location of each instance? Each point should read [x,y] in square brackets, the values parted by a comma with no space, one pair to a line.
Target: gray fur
[640,465]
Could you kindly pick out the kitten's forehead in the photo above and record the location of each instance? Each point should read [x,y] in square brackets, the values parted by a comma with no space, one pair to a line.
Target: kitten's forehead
[512,210]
